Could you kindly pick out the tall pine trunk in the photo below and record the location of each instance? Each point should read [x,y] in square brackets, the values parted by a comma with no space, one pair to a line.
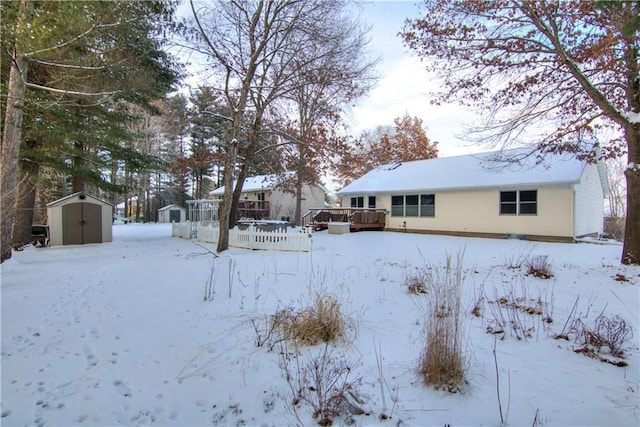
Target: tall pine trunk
[25,204]
[11,137]
[77,180]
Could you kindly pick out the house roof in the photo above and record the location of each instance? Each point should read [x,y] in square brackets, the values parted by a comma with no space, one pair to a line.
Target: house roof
[473,171]
[171,206]
[262,183]
[79,194]
[253,183]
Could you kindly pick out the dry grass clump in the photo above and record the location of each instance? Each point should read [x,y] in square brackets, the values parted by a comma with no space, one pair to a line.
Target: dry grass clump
[323,321]
[539,266]
[416,283]
[515,260]
[441,364]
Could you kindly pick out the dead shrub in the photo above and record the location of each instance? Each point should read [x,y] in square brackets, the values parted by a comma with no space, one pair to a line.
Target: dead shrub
[614,227]
[517,313]
[326,383]
[416,283]
[608,334]
[539,266]
[441,364]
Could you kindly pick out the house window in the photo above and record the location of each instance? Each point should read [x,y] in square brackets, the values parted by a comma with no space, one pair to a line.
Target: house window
[261,197]
[528,203]
[414,205]
[397,205]
[508,202]
[519,202]
[357,202]
[372,202]
[428,205]
[411,205]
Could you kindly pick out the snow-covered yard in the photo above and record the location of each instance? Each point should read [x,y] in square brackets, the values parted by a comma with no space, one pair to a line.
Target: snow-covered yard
[119,333]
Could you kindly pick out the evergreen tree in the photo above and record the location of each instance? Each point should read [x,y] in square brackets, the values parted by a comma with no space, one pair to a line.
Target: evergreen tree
[91,56]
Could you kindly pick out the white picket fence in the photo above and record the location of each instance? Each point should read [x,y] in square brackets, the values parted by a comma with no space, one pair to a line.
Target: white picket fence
[181,229]
[251,238]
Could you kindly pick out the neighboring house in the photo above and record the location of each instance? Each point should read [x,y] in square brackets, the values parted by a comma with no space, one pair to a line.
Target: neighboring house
[558,198]
[263,198]
[172,213]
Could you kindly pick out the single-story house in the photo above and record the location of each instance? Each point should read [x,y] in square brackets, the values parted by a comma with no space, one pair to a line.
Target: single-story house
[78,219]
[172,213]
[491,194]
[263,197]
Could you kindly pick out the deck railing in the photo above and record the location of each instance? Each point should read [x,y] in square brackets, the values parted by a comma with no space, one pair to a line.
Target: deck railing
[359,218]
[254,209]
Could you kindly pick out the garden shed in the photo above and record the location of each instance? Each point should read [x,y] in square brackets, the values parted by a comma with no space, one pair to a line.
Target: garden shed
[172,213]
[78,219]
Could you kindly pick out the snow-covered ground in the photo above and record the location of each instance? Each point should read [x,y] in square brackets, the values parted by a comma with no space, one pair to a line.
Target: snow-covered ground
[118,333]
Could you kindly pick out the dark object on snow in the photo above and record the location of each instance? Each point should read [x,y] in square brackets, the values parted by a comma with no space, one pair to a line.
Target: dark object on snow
[40,235]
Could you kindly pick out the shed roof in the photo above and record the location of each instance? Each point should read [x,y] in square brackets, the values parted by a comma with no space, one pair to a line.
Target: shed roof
[63,200]
[506,168]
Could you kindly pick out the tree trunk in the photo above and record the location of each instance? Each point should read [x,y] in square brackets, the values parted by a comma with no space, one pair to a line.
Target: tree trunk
[249,155]
[114,181]
[225,206]
[242,176]
[237,192]
[26,201]
[10,150]
[631,246]
[77,181]
[299,184]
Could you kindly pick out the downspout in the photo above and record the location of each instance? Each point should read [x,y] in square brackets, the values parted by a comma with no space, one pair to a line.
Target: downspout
[573,213]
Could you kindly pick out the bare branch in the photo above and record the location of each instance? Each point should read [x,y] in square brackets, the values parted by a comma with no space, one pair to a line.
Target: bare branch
[69,92]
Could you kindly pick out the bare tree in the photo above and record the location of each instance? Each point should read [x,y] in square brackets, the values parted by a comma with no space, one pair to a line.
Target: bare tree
[333,72]
[258,47]
[563,68]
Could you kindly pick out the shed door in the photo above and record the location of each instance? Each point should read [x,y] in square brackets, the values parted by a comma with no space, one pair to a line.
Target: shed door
[174,215]
[81,223]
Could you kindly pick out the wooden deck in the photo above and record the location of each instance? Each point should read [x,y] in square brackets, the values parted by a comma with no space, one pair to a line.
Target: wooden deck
[253,209]
[358,218]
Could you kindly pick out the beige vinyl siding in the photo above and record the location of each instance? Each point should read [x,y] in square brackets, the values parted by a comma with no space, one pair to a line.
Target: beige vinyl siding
[283,204]
[589,203]
[478,211]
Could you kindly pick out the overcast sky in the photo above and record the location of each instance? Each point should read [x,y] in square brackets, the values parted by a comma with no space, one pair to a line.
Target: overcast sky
[404,84]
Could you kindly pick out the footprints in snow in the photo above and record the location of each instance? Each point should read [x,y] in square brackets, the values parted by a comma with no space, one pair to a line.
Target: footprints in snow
[122,388]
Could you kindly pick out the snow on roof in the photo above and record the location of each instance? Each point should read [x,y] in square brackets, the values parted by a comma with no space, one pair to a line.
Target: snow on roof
[81,195]
[171,206]
[253,183]
[483,170]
